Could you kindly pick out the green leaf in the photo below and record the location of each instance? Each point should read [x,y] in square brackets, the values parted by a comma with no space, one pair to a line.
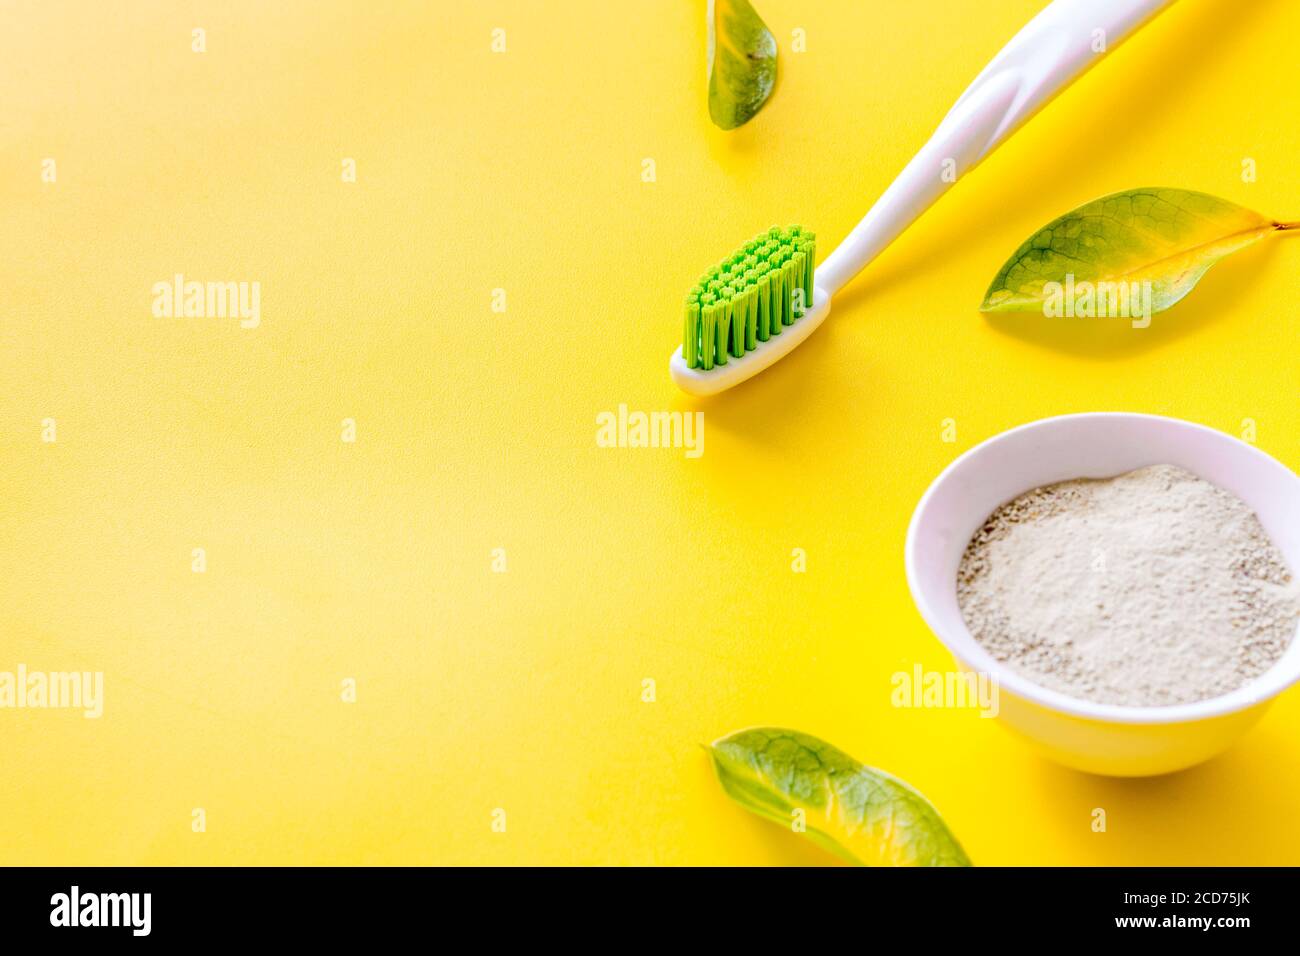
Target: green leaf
[863,815]
[1165,237]
[742,62]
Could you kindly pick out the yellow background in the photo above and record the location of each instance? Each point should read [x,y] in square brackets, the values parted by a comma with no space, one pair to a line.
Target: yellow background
[476,429]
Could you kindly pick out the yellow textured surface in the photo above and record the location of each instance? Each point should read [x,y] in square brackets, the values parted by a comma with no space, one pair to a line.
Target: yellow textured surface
[522,171]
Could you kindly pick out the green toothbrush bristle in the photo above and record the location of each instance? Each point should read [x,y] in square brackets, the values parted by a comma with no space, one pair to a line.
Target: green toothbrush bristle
[750,297]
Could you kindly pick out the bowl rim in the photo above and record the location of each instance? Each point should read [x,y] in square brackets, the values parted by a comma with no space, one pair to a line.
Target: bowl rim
[1258,691]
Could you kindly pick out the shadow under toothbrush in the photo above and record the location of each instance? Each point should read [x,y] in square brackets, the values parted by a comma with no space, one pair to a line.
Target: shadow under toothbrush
[779,399]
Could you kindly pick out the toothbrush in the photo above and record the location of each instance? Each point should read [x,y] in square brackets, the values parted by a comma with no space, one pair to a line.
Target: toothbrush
[756,307]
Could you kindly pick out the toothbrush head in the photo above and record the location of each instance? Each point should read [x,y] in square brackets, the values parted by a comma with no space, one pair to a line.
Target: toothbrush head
[749,310]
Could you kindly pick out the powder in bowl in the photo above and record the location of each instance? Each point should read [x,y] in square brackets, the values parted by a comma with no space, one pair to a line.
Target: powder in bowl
[1150,588]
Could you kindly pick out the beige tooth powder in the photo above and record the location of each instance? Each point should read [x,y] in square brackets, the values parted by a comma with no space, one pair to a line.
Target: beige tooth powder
[1153,587]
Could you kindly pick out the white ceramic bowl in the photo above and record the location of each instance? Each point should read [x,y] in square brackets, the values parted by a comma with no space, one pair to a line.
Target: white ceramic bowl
[1101,738]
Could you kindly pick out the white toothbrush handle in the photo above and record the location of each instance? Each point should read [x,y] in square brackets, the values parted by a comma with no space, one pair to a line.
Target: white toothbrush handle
[1041,60]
